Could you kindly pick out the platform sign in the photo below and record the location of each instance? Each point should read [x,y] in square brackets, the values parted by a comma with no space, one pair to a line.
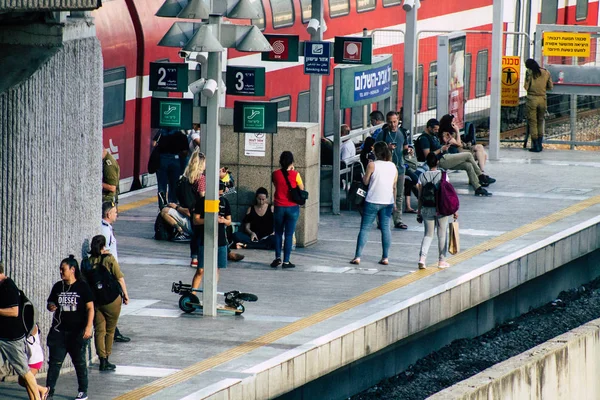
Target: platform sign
[245,81]
[316,58]
[171,113]
[353,50]
[566,44]
[255,117]
[285,48]
[168,77]
[360,85]
[511,72]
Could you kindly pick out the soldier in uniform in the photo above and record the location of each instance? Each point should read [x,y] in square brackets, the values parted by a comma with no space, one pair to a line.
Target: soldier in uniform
[110,178]
[537,81]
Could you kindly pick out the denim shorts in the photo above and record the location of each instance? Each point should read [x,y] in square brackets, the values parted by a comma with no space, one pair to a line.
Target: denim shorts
[221,257]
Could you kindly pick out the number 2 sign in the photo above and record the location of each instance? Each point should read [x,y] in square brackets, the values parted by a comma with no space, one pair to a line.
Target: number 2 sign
[245,81]
[168,77]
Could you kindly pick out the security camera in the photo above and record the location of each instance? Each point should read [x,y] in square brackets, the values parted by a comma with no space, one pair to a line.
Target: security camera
[196,86]
[201,58]
[409,4]
[222,87]
[210,87]
[313,26]
[183,54]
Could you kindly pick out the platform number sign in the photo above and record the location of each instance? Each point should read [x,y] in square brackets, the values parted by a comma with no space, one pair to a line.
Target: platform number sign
[168,77]
[245,81]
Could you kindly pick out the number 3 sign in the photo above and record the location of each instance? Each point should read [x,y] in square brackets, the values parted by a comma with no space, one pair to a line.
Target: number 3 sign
[245,81]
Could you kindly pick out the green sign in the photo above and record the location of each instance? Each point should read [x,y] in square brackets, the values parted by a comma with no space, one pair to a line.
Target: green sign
[352,50]
[245,81]
[171,113]
[255,117]
[360,85]
[168,77]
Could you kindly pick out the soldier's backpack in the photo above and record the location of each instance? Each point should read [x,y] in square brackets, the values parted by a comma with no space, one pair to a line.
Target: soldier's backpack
[429,194]
[186,195]
[103,283]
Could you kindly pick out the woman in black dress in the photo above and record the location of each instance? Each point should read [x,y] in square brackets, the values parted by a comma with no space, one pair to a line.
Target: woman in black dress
[257,229]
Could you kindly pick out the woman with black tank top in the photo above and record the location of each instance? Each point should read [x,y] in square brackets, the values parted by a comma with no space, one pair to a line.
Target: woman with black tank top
[257,229]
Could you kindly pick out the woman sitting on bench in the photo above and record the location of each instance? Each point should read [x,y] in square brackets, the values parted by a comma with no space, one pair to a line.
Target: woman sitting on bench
[447,125]
[257,228]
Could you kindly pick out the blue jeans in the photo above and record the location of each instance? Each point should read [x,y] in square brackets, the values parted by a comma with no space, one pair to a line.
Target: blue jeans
[266,243]
[383,213]
[168,175]
[285,219]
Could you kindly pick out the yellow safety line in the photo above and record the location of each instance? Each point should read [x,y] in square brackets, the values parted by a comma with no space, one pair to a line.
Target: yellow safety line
[339,308]
[136,204]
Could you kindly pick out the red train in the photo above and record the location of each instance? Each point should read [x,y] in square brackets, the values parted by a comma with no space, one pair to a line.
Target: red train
[129,32]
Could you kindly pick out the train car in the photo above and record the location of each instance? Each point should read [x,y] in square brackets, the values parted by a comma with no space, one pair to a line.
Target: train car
[129,33]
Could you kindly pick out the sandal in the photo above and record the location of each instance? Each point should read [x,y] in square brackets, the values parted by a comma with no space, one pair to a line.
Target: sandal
[240,246]
[411,211]
[355,261]
[401,225]
[384,261]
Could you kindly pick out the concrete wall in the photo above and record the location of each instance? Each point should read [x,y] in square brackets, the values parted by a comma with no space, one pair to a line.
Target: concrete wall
[250,173]
[565,367]
[50,164]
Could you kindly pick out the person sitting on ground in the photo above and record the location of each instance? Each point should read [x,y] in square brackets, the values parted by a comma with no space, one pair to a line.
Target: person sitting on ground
[257,230]
[178,217]
[448,127]
[429,142]
[227,179]
[224,220]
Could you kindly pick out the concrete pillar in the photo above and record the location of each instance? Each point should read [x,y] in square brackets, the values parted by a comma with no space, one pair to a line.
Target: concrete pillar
[50,151]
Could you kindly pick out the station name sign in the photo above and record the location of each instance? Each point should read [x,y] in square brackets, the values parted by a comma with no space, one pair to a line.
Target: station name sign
[373,82]
[361,85]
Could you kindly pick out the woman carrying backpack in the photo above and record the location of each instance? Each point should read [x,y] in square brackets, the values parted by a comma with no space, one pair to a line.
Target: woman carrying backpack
[429,185]
[108,286]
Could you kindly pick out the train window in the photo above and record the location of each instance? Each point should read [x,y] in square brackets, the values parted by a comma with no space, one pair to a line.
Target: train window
[581,10]
[284,109]
[283,13]
[467,75]
[306,10]
[419,87]
[432,86]
[303,107]
[328,111]
[387,3]
[337,8]
[260,22]
[356,117]
[365,5]
[549,11]
[114,97]
[395,91]
[481,73]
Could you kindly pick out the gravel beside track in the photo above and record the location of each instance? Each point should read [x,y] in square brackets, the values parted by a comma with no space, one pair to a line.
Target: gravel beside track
[467,357]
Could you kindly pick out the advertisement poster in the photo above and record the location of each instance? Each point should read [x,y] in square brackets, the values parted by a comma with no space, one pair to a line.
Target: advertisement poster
[456,96]
[255,145]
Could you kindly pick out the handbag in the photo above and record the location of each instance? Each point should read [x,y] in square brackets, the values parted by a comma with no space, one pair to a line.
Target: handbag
[454,240]
[154,160]
[358,192]
[298,195]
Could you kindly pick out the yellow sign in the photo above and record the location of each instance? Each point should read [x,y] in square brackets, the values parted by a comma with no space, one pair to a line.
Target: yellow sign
[565,44]
[511,71]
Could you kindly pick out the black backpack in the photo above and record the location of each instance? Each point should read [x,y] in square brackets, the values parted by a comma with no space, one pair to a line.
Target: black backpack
[429,194]
[186,195]
[162,230]
[27,312]
[103,283]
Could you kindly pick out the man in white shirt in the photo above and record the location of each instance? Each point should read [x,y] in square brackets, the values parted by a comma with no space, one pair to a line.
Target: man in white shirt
[109,216]
[194,137]
[348,149]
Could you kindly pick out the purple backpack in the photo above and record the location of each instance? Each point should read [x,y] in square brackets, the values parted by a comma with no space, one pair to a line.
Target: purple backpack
[447,198]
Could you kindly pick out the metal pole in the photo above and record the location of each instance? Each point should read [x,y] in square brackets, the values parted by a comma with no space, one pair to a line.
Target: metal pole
[316,81]
[573,119]
[365,108]
[410,62]
[497,29]
[337,142]
[211,203]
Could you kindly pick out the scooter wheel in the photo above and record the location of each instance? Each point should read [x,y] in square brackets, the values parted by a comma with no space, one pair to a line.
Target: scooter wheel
[187,303]
[240,309]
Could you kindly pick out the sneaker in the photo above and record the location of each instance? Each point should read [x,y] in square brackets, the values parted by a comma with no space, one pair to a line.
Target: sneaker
[489,179]
[181,237]
[81,396]
[443,265]
[483,181]
[482,192]
[194,263]
[422,263]
[288,265]
[231,256]
[276,263]
[122,339]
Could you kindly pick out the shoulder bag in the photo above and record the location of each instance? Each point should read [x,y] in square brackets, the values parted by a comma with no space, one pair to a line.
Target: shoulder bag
[298,195]
[154,160]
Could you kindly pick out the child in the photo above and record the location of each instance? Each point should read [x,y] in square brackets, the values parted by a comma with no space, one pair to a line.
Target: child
[35,358]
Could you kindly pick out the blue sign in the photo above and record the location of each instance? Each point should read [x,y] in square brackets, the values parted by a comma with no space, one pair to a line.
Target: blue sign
[373,82]
[316,58]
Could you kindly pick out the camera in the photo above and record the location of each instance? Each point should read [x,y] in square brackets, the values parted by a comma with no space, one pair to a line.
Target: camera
[183,54]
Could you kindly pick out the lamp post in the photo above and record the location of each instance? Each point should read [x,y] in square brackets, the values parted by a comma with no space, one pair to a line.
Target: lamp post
[497,31]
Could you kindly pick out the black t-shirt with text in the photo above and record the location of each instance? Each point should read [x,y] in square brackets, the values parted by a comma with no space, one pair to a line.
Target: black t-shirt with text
[70,300]
[11,328]
[224,211]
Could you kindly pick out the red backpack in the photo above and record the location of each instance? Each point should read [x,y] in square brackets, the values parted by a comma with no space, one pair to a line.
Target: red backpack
[448,202]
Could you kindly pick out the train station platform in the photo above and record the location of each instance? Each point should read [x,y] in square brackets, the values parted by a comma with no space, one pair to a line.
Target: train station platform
[326,314]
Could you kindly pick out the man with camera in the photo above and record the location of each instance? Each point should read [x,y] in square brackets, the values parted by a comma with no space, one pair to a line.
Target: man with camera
[395,137]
